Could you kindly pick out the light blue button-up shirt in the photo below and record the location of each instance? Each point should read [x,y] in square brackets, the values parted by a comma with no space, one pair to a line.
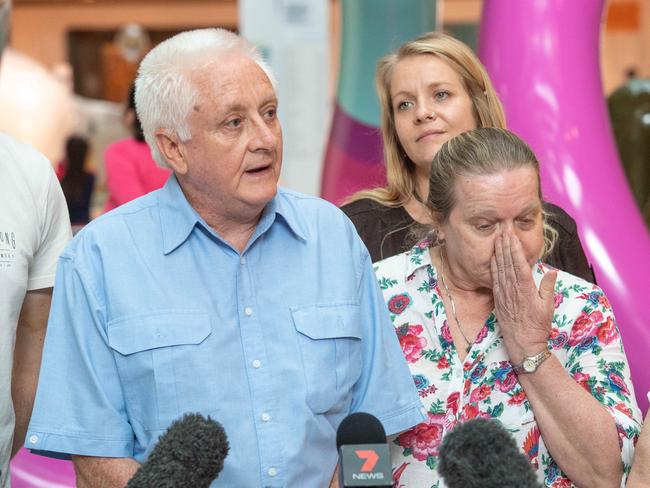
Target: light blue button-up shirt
[154,315]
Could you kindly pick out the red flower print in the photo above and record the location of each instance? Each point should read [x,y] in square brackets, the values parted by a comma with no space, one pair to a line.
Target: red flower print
[558,299]
[607,331]
[398,303]
[621,407]
[482,334]
[616,382]
[583,380]
[562,482]
[424,439]
[443,363]
[584,326]
[602,299]
[470,411]
[452,403]
[397,474]
[531,444]
[411,342]
[518,398]
[446,333]
[480,393]
[507,383]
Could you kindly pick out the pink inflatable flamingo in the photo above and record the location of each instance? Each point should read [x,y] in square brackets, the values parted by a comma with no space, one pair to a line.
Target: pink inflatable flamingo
[543,57]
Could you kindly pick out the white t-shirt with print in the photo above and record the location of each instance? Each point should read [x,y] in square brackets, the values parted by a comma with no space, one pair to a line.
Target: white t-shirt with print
[34,229]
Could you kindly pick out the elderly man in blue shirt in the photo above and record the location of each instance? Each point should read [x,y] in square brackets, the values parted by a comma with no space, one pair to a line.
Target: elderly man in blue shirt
[219,294]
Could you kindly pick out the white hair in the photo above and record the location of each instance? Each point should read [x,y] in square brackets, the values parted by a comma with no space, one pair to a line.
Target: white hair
[5,9]
[164,92]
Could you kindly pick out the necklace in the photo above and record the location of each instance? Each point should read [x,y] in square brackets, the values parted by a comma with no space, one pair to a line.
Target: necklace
[453,304]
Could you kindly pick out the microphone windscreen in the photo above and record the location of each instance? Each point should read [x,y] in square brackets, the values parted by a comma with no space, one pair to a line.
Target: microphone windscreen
[481,453]
[360,428]
[190,453]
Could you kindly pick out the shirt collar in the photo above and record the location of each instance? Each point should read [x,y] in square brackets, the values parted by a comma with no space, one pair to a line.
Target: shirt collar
[417,257]
[290,212]
[178,217]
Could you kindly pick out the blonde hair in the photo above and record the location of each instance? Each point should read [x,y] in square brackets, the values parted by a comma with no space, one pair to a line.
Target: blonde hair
[488,111]
[482,151]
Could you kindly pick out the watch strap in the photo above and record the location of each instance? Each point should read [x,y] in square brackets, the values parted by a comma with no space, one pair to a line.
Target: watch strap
[535,361]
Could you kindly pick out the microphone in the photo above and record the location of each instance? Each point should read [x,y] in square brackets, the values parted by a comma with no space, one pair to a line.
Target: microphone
[480,453]
[190,454]
[364,459]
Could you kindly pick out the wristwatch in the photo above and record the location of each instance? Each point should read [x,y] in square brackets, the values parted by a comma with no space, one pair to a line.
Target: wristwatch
[531,363]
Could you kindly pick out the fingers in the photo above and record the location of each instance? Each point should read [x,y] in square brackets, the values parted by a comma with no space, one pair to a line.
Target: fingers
[547,286]
[494,271]
[522,269]
[500,260]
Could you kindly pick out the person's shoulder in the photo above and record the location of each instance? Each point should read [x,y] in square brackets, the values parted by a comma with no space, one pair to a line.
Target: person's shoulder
[569,288]
[321,218]
[117,226]
[396,264]
[362,206]
[17,156]
[295,200]
[560,219]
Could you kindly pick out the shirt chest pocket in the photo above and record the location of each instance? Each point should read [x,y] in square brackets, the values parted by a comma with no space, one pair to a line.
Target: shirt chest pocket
[329,338]
[163,360]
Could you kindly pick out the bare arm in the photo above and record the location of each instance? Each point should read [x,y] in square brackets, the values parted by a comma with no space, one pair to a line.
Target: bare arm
[335,478]
[30,334]
[578,430]
[100,472]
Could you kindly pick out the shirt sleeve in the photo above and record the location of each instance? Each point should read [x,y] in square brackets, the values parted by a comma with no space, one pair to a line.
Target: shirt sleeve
[385,388]
[54,232]
[79,406]
[597,361]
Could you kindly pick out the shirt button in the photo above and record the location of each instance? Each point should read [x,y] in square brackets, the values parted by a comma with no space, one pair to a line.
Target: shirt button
[272,471]
[266,417]
[242,260]
[33,439]
[257,363]
[248,311]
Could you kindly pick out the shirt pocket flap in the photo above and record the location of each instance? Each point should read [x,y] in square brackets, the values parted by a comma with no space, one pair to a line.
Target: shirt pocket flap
[143,332]
[328,322]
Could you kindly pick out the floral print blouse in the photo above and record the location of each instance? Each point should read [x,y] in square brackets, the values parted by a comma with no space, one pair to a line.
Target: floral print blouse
[584,338]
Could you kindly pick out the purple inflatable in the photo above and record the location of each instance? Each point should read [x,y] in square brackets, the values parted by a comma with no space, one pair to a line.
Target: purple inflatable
[543,58]
[32,471]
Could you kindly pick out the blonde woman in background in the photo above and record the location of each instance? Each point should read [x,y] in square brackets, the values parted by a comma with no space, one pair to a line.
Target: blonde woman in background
[431,89]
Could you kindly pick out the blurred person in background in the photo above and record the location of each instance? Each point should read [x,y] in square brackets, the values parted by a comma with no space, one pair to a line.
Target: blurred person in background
[130,170]
[431,89]
[34,228]
[76,182]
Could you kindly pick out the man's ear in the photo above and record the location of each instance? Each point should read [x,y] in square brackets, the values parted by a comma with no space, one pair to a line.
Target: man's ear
[171,147]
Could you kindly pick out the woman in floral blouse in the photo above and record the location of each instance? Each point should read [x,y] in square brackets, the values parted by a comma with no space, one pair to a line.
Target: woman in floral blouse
[489,330]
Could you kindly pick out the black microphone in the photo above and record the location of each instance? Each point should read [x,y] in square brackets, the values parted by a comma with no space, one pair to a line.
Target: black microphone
[364,459]
[480,453]
[190,454]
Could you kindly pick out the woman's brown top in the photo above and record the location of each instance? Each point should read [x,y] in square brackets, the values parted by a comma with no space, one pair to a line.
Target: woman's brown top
[387,231]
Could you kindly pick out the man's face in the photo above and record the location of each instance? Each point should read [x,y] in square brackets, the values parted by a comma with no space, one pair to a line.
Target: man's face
[234,155]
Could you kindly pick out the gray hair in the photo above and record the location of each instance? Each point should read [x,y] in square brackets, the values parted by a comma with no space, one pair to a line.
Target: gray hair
[164,92]
[5,9]
[482,151]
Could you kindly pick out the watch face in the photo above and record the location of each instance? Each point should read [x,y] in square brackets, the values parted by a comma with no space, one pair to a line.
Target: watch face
[529,365]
